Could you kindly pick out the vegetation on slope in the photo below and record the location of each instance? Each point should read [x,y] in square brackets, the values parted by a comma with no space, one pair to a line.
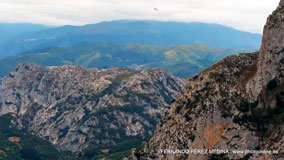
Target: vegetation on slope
[18,144]
[181,60]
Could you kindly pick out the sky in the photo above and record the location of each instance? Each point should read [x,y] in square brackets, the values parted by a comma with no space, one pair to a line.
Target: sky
[247,15]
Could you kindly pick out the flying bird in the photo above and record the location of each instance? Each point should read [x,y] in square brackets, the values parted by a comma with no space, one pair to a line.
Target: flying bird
[156,9]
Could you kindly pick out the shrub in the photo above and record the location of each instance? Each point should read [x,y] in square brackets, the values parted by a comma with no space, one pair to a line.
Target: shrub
[272,84]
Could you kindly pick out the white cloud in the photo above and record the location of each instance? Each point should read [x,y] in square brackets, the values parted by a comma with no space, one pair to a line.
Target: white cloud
[247,15]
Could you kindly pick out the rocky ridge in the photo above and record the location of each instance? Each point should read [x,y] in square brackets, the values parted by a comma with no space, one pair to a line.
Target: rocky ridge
[75,108]
[235,105]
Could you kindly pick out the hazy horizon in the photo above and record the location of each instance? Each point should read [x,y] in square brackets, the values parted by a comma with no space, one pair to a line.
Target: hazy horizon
[242,15]
[55,26]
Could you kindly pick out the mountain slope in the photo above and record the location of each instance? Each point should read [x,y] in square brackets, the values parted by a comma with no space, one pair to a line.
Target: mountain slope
[19,144]
[131,32]
[204,114]
[91,110]
[10,30]
[187,60]
[181,60]
[232,110]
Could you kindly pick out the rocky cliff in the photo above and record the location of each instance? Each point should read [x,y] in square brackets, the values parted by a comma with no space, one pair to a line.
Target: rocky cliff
[75,108]
[232,110]
[271,61]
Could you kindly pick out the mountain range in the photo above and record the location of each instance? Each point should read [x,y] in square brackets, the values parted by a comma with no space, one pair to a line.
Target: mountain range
[181,60]
[94,98]
[127,32]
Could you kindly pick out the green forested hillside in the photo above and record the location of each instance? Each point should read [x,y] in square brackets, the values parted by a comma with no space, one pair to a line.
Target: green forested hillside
[18,144]
[181,60]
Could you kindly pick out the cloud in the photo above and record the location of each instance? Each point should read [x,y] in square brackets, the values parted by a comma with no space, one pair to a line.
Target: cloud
[247,15]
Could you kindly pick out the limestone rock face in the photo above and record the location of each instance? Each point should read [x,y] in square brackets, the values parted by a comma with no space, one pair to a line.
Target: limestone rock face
[271,63]
[75,108]
[235,105]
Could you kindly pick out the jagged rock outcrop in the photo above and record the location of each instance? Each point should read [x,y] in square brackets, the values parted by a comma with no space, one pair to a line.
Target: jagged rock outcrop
[232,110]
[75,108]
